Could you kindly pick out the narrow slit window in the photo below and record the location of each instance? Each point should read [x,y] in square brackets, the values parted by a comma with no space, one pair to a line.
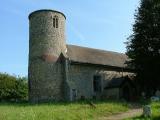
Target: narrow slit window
[54,25]
[56,22]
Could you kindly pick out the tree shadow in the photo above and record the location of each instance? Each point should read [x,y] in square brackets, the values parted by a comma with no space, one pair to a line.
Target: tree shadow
[62,103]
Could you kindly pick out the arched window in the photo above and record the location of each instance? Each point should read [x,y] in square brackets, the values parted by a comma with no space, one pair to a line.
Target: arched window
[55,22]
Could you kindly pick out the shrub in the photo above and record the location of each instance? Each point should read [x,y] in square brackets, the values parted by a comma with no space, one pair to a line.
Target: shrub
[13,88]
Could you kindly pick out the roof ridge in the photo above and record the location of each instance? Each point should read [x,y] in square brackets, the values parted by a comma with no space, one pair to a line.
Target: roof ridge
[101,50]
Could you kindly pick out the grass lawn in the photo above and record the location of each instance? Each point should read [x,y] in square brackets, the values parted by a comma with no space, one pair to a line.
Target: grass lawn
[155,113]
[60,111]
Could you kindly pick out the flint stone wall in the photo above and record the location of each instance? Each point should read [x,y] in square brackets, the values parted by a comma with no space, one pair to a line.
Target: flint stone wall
[46,44]
[80,77]
[46,81]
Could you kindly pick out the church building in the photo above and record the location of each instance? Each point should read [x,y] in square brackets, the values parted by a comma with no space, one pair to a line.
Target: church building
[61,72]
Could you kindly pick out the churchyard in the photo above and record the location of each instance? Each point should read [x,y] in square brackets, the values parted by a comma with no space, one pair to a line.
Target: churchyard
[61,111]
[81,110]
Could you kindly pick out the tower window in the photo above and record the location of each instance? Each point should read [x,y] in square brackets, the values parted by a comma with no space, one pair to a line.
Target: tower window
[55,22]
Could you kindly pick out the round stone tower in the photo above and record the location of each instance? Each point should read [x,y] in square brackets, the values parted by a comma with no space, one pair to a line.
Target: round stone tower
[47,47]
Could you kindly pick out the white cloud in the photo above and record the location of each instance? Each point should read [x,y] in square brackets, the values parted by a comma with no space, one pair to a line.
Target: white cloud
[77,32]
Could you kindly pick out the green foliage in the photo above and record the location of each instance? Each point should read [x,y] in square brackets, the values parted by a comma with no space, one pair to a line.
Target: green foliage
[143,46]
[60,111]
[13,88]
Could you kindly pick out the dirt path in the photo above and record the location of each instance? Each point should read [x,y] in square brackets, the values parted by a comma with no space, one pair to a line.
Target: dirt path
[131,113]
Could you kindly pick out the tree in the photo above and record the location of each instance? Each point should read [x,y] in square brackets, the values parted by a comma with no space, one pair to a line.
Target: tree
[13,88]
[143,45]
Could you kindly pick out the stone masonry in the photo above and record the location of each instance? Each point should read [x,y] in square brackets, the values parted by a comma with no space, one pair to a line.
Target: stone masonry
[46,44]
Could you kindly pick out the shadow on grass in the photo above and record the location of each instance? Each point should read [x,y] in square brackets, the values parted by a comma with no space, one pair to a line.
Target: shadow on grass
[156,118]
[145,118]
[84,102]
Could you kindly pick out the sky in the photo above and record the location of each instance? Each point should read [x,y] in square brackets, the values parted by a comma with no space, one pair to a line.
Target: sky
[101,24]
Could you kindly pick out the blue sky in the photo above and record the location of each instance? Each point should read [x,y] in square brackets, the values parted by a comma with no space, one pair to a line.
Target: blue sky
[102,24]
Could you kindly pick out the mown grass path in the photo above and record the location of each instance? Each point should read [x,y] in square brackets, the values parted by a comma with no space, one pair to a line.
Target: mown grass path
[155,106]
[121,116]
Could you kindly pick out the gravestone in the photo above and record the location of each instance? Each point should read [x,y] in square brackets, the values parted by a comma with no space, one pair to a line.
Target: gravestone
[157,93]
[147,111]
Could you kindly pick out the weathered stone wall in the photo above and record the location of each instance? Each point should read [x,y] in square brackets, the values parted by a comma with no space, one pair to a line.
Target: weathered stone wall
[48,85]
[44,38]
[80,77]
[113,93]
[46,44]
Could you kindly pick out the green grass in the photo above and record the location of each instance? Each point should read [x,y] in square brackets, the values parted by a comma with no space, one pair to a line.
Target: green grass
[155,113]
[60,111]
